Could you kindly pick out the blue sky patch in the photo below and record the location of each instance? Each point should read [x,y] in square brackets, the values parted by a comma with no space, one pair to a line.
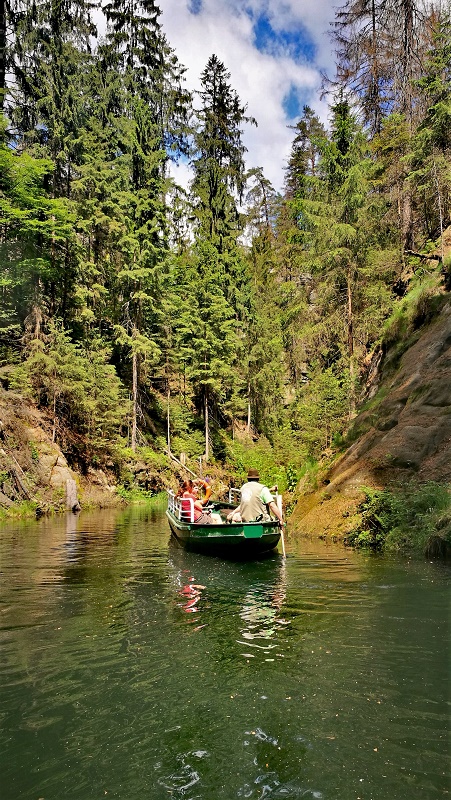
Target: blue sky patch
[291,104]
[298,43]
[195,7]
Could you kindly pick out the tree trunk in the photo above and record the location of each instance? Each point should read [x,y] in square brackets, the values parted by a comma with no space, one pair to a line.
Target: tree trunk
[169,425]
[440,210]
[406,218]
[54,417]
[351,350]
[408,11]
[2,53]
[134,401]
[207,430]
[72,503]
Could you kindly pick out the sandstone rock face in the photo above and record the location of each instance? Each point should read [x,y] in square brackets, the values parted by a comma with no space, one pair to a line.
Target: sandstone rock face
[31,465]
[405,435]
[60,473]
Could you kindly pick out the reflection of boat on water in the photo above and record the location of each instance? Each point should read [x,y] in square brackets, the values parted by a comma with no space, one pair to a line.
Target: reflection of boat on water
[261,616]
[240,599]
[246,539]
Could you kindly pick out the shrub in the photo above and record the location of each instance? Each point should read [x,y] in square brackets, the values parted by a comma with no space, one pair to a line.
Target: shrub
[402,519]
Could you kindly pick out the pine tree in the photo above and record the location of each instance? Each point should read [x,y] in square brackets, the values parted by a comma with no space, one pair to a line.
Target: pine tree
[219,167]
[49,57]
[140,112]
[262,355]
[361,37]
[217,187]
[430,156]
[78,387]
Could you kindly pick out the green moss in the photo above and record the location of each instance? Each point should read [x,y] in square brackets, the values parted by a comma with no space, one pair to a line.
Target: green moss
[417,308]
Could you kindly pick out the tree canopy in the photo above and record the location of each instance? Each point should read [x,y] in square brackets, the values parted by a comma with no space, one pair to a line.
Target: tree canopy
[141,313]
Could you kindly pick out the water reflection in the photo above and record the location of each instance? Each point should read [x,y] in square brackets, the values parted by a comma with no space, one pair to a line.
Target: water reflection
[191,593]
[132,669]
[261,614]
[250,596]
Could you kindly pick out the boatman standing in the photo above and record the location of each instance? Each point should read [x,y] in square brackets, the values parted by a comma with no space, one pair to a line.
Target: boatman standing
[256,500]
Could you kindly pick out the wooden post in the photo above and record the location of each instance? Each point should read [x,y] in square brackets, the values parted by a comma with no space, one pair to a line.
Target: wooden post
[72,503]
[280,507]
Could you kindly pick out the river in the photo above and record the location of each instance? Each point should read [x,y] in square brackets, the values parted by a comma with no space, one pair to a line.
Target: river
[131,669]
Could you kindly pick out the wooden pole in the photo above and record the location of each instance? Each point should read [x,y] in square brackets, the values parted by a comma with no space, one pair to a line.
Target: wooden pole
[280,507]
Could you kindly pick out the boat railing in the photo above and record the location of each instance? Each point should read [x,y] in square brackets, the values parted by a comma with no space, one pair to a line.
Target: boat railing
[234,496]
[181,507]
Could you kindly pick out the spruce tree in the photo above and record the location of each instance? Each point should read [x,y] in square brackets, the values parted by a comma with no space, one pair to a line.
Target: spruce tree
[217,188]
[430,156]
[135,125]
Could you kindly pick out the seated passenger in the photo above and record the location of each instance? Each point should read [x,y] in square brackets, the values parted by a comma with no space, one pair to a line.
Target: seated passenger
[256,501]
[188,492]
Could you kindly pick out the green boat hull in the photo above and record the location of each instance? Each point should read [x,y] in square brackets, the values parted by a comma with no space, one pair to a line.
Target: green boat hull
[247,539]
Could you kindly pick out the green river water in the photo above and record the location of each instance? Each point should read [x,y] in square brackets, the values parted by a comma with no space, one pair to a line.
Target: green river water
[131,669]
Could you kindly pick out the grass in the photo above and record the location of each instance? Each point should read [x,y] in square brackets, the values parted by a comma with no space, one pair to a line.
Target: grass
[24,510]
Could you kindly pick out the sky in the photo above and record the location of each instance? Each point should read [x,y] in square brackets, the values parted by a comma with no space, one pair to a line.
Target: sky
[274,50]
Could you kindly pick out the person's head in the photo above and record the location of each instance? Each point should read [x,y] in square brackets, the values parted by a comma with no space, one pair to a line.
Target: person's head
[253,475]
[187,486]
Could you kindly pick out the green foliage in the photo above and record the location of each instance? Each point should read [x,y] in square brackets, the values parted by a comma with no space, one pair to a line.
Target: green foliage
[76,385]
[260,455]
[414,310]
[36,237]
[402,519]
[292,478]
[23,510]
[134,494]
[34,452]
[320,412]
[274,331]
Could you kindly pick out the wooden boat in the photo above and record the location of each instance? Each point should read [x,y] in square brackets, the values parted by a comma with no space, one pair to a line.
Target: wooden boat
[236,538]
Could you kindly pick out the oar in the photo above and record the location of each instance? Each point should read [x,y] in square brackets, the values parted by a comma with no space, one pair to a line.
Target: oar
[280,507]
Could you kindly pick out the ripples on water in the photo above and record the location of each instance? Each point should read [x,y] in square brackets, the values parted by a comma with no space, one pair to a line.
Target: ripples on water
[132,669]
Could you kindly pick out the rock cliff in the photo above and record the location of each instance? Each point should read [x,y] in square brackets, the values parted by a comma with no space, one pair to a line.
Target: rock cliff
[33,468]
[402,435]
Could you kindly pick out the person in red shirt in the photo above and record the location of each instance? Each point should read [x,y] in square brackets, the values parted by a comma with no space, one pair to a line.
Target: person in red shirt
[189,491]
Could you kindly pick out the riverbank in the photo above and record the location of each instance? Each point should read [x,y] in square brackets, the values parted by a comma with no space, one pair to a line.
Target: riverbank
[35,476]
[392,475]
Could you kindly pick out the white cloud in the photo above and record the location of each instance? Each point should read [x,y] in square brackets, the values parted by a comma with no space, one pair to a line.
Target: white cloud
[261,79]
